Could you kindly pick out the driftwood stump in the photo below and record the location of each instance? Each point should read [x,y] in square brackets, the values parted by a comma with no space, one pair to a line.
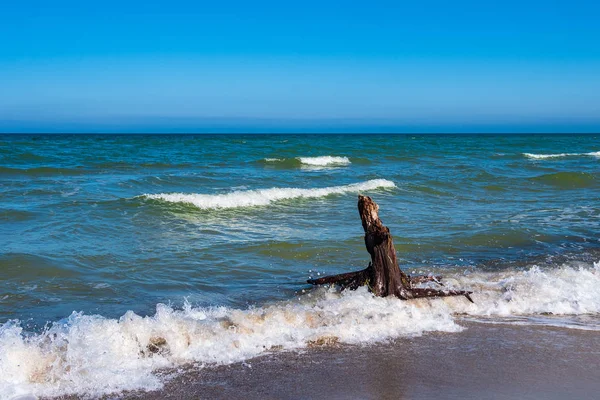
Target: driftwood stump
[383,276]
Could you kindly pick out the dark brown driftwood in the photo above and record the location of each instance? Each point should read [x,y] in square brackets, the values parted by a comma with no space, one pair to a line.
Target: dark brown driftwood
[383,276]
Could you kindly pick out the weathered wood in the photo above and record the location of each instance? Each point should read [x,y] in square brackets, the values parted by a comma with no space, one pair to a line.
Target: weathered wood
[415,280]
[352,280]
[383,276]
[349,280]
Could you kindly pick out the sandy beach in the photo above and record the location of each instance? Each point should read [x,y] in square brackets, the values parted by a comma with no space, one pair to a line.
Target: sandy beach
[485,361]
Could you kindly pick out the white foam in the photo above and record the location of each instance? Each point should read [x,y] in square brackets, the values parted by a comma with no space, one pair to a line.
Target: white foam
[95,355]
[324,161]
[559,291]
[314,162]
[263,197]
[560,155]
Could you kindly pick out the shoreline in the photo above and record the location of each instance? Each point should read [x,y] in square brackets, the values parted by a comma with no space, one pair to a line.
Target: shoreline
[491,361]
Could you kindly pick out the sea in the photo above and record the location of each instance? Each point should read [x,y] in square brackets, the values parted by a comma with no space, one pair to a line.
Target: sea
[124,256]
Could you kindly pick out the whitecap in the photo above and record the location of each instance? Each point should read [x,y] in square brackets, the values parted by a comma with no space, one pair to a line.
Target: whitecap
[263,197]
[324,161]
[560,155]
[568,290]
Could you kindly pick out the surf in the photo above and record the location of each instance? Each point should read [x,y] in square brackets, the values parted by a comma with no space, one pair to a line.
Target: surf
[96,355]
[264,197]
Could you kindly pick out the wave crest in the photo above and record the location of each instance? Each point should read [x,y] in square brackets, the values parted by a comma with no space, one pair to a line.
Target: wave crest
[324,161]
[568,290]
[308,162]
[560,155]
[568,180]
[263,197]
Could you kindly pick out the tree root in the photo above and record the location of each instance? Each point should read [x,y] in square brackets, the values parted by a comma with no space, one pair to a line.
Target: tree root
[383,275]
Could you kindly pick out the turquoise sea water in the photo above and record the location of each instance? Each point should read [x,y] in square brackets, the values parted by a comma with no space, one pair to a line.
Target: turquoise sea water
[110,226]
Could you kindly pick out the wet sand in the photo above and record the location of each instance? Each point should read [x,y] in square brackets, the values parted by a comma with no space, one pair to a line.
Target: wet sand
[485,361]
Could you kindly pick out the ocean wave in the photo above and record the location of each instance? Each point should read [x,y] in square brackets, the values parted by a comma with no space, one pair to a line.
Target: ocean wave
[568,180]
[42,171]
[13,215]
[263,197]
[311,162]
[94,355]
[324,161]
[567,290]
[561,155]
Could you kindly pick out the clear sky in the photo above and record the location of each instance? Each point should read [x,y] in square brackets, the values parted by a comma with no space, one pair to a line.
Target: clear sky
[106,66]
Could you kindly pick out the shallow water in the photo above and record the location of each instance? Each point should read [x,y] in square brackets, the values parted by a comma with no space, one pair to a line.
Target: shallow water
[207,241]
[484,361]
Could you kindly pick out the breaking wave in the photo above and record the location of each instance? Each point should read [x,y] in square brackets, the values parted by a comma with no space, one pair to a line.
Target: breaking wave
[324,161]
[560,155]
[263,197]
[311,162]
[567,290]
[94,355]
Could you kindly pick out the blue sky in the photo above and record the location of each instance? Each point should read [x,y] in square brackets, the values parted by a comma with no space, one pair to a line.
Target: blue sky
[308,66]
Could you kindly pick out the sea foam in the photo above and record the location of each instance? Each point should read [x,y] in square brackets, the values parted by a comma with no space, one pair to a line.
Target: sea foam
[94,355]
[263,197]
[324,161]
[568,290]
[560,155]
[310,162]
